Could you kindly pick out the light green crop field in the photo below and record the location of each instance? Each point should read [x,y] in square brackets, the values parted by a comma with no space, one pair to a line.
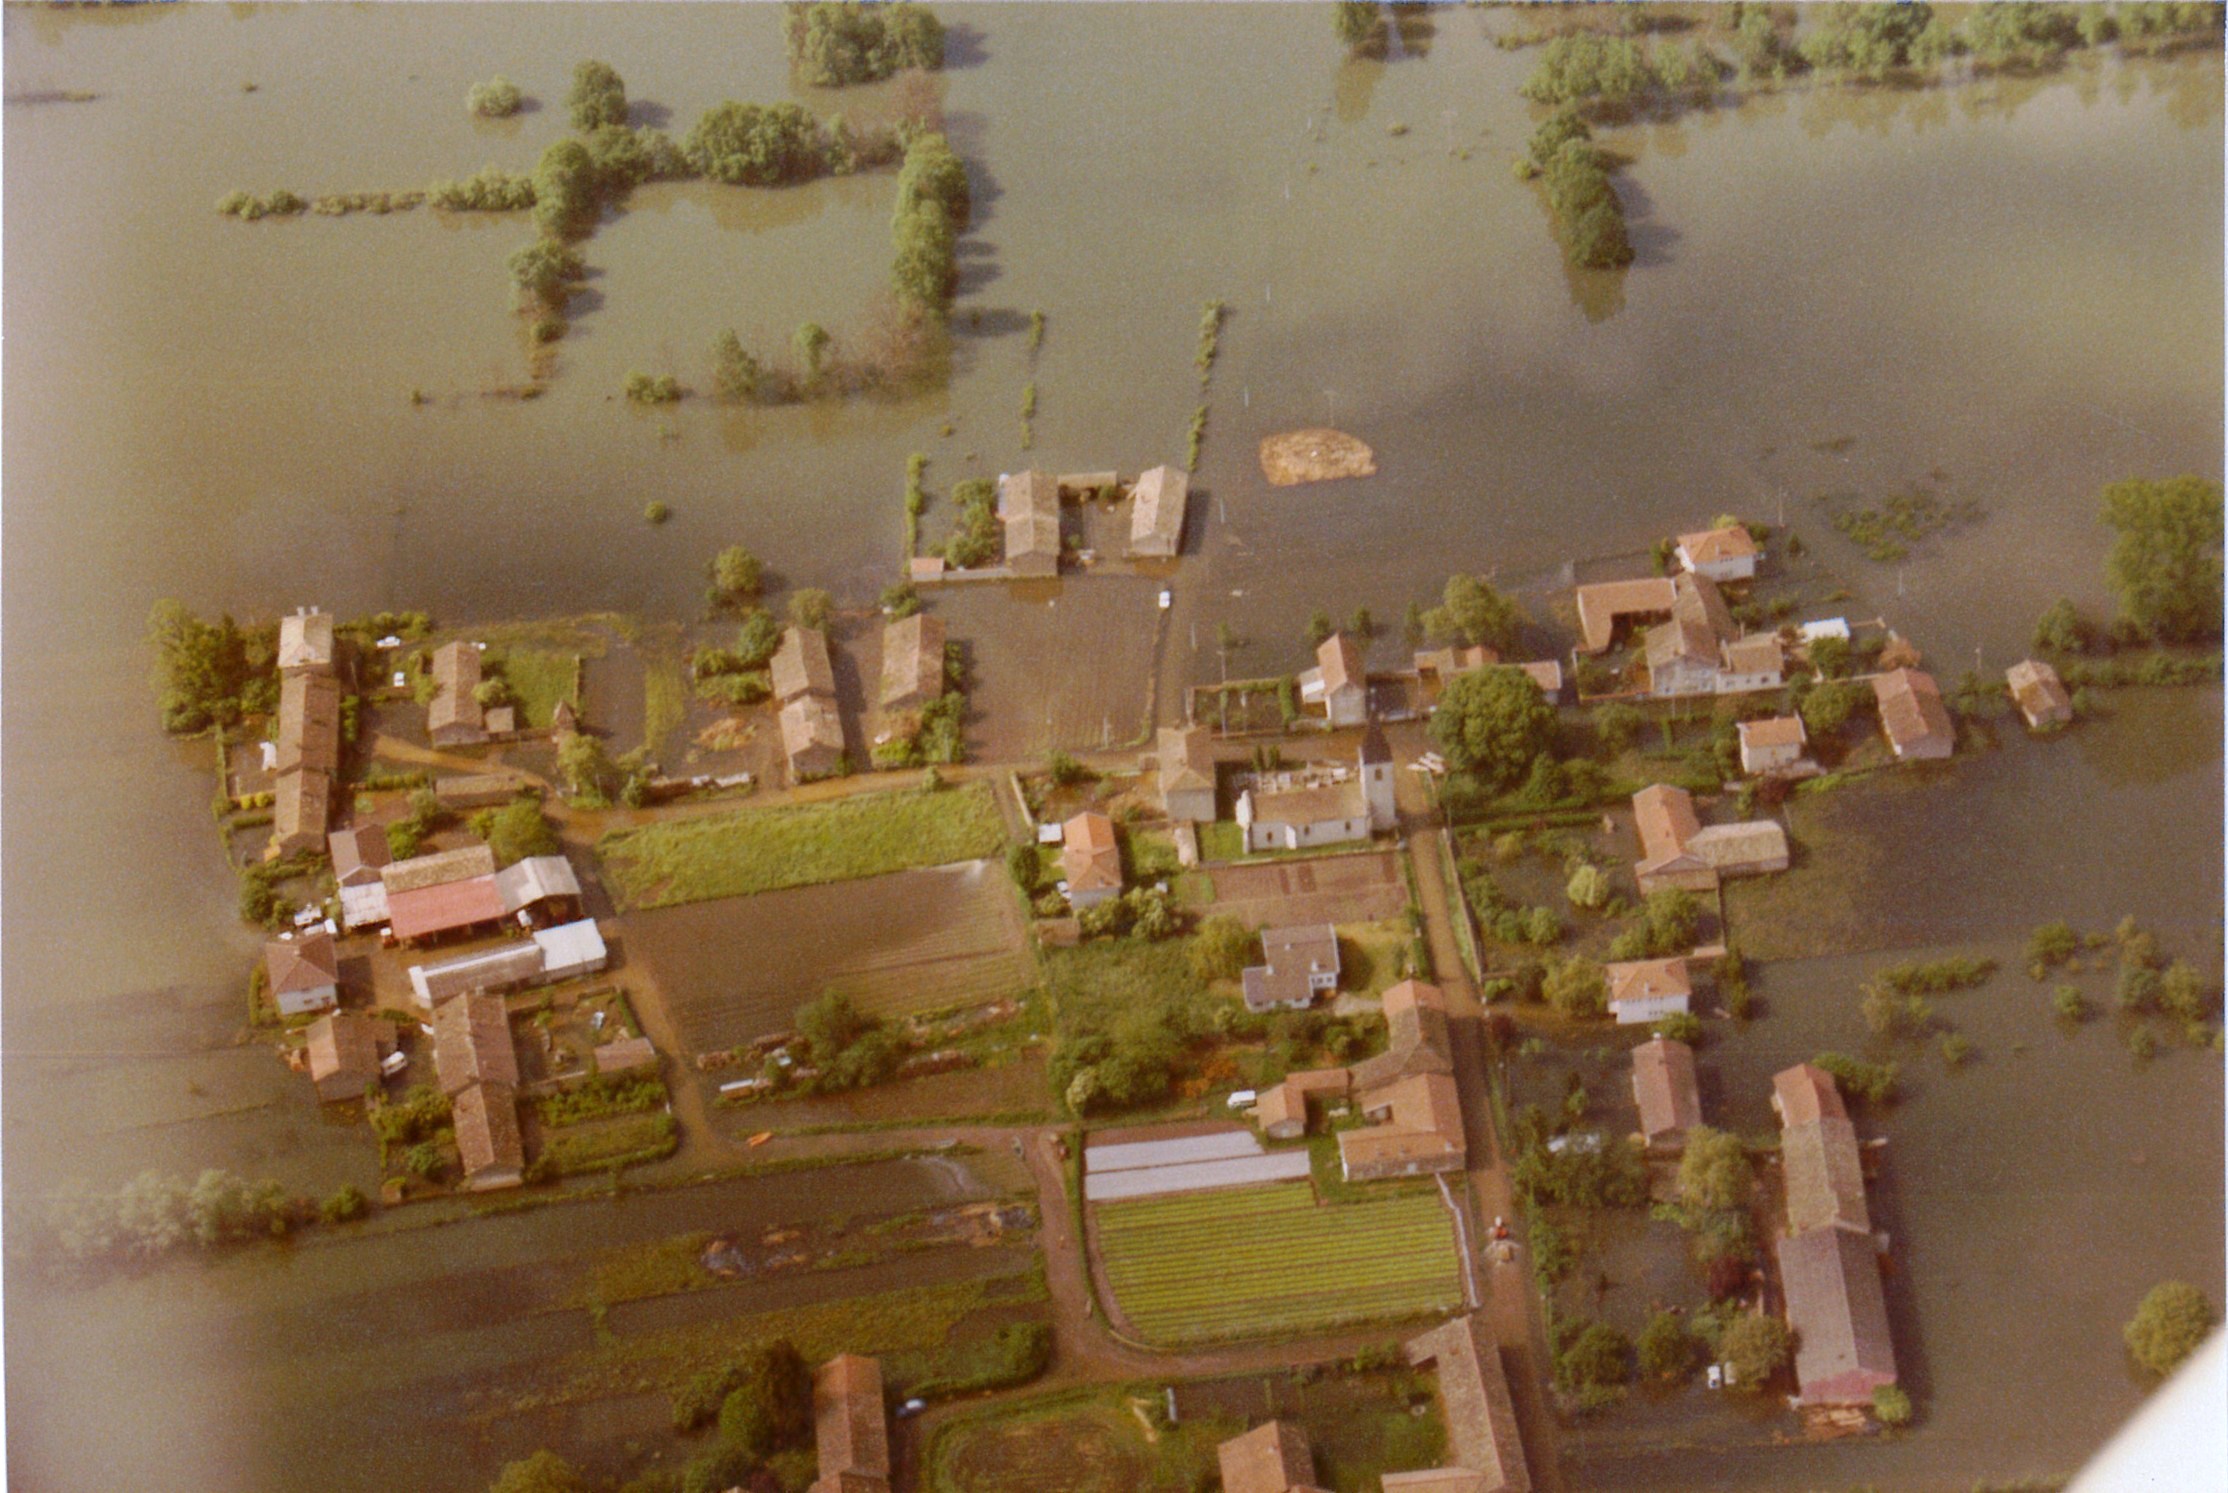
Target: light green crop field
[764,850]
[1262,1261]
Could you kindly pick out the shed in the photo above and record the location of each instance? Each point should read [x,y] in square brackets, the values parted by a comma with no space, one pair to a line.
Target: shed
[472,1042]
[912,662]
[1184,766]
[487,1140]
[455,718]
[1912,715]
[571,950]
[1156,517]
[2039,693]
[801,665]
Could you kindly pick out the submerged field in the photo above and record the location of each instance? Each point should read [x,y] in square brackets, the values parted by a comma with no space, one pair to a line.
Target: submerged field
[1253,1262]
[765,850]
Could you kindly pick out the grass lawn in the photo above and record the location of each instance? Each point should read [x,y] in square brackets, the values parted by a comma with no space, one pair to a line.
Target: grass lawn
[764,850]
[1369,954]
[1095,983]
[539,678]
[665,698]
[1261,1261]
[602,1143]
[1088,1441]
[1223,840]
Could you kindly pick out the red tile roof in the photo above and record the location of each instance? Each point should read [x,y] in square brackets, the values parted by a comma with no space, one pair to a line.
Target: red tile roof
[1341,662]
[850,1426]
[302,963]
[1712,545]
[1839,1313]
[447,907]
[1663,1086]
[1599,607]
[1912,713]
[1805,1093]
[1091,858]
[1270,1458]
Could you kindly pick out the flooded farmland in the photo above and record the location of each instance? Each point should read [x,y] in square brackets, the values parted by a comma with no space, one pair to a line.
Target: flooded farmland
[2012,283]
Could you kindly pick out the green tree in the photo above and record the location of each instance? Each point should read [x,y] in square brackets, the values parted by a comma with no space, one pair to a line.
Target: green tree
[2182,992]
[1666,1348]
[519,829]
[810,607]
[833,44]
[543,1472]
[1319,628]
[1588,887]
[1891,1406]
[2062,629]
[926,265]
[598,97]
[2171,1321]
[737,576]
[1223,947]
[753,145]
[1599,1356]
[2165,566]
[1714,1170]
[1577,987]
[1756,1346]
[1870,41]
[1826,709]
[2051,944]
[207,673]
[735,373]
[345,1206]
[497,98]
[1492,723]
[547,271]
[1470,611]
[585,768]
[811,341]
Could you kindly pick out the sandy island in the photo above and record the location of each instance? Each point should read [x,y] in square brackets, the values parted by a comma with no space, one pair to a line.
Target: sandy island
[1318,455]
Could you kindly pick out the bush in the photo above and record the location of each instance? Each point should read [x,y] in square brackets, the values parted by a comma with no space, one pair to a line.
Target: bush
[1680,1026]
[345,1206]
[2170,1322]
[1222,948]
[497,98]
[490,191]
[1756,1347]
[547,270]
[755,145]
[1714,1170]
[834,44]
[1577,988]
[1667,1349]
[598,97]
[1872,1082]
[1599,1356]
[646,388]
[1891,1406]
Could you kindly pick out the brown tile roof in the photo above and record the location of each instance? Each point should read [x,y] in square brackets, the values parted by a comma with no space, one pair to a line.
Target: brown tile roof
[1645,979]
[801,665]
[811,733]
[1911,710]
[301,964]
[1805,1093]
[1032,491]
[1600,606]
[1547,674]
[2039,692]
[1290,958]
[358,853]
[472,1042]
[1696,601]
[1481,1422]
[1287,1102]
[456,675]
[849,1424]
[1156,515]
[1340,659]
[305,641]
[1090,857]
[1665,818]
[912,661]
[344,1049]
[1270,1458]
[1825,1176]
[1422,1122]
[1664,1088]
[1779,731]
[301,807]
[1681,640]
[1448,662]
[1751,845]
[1185,759]
[1327,801]
[1839,1313]
[1029,506]
[487,1141]
[419,871]
[1417,1039]
[1712,545]
[1758,653]
[309,722]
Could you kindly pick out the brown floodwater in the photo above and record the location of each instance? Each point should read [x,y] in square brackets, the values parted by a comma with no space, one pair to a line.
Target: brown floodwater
[2012,285]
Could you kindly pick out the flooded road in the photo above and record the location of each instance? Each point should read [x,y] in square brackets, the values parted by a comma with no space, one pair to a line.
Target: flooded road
[2015,285]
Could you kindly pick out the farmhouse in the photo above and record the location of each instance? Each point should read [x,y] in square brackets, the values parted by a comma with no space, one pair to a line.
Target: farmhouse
[1727,553]
[344,1049]
[1270,1458]
[1806,1093]
[912,662]
[455,717]
[1772,745]
[359,853]
[850,1428]
[1417,1128]
[304,974]
[1663,1087]
[1839,1314]
[1700,652]
[1184,767]
[1601,607]
[1091,859]
[1912,716]
[1648,990]
[1417,1040]
[1328,813]
[2039,693]
[812,737]
[1825,1177]
[472,1043]
[1156,511]
[301,807]
[800,665]
[487,1140]
[1029,507]
[1677,851]
[1282,1111]
[308,722]
[1337,682]
[1484,1452]
[305,641]
[1298,964]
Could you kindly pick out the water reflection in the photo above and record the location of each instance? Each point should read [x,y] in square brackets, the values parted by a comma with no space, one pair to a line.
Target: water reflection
[1353,86]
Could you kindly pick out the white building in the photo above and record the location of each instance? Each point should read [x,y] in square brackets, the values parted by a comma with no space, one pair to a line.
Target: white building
[1648,990]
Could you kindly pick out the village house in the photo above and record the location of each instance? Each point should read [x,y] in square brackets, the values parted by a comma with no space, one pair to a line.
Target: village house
[1824,1172]
[1773,745]
[485,1116]
[301,808]
[1912,716]
[1337,683]
[850,1427]
[1439,667]
[801,665]
[1699,650]
[359,853]
[1664,1089]
[1029,507]
[812,737]
[2039,693]
[305,641]
[1601,607]
[1091,860]
[1304,815]
[1282,1111]
[1298,964]
[472,1042]
[1839,1315]
[1727,553]
[1156,512]
[1677,851]
[1485,1453]
[1273,1457]
[1416,1037]
[455,718]
[461,792]
[308,722]
[1804,1094]
[1645,990]
[1184,767]
[1416,1128]
[303,974]
[912,662]
[344,1050]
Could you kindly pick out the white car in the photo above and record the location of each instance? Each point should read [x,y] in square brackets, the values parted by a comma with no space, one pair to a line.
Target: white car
[1167,598]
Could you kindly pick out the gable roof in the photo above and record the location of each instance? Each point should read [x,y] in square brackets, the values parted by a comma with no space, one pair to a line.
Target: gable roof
[1029,507]
[1157,505]
[1648,979]
[1312,805]
[2038,691]
[1474,1392]
[456,675]
[1340,659]
[1709,546]
[1090,856]
[1599,607]
[1184,758]
[419,871]
[1664,815]
[912,659]
[1804,1093]
[1911,709]
[301,805]
[1271,1458]
[1778,731]
[800,665]
[309,722]
[497,969]
[1839,1312]
[849,1426]
[1423,1121]
[1664,1088]
[1287,1102]
[1696,602]
[444,907]
[1824,1175]
[344,1044]
[1731,847]
[306,963]
[486,1119]
[1448,662]
[358,853]
[1681,640]
[538,878]
[809,722]
[1417,1039]
[305,641]
[1290,959]
[472,1042]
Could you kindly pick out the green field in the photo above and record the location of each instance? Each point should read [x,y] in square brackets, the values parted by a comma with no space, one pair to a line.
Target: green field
[1259,1261]
[539,678]
[763,850]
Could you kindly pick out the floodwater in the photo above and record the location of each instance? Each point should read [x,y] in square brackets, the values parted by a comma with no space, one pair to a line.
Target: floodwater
[2013,285]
